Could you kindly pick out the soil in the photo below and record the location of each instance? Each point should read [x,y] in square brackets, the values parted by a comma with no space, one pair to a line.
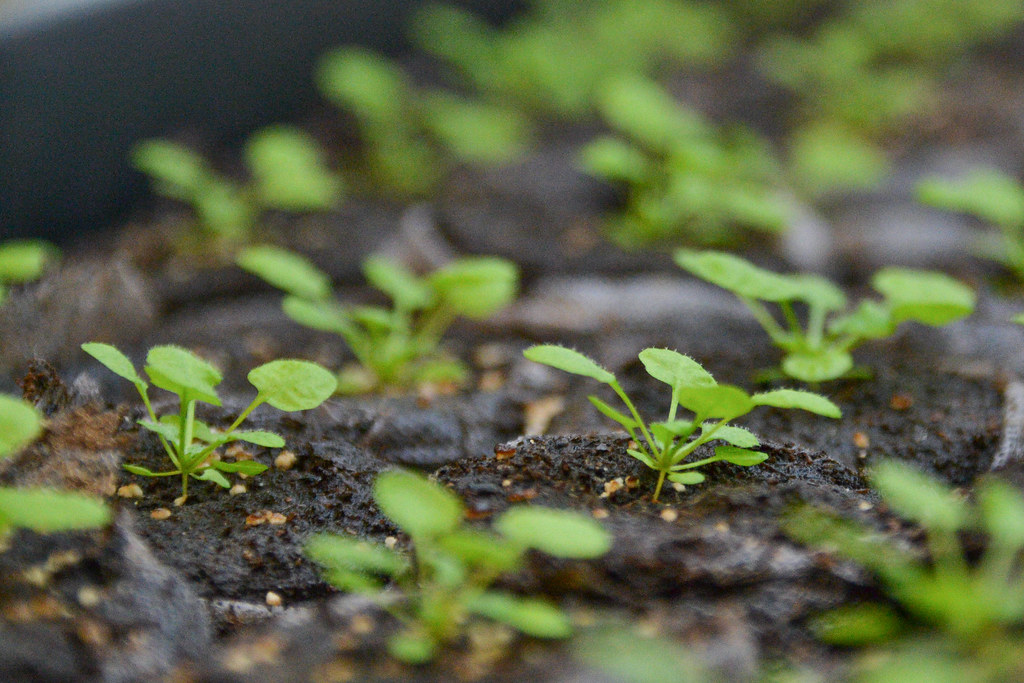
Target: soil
[217,589]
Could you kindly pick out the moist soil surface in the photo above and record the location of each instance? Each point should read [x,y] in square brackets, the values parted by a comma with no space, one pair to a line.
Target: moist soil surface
[217,589]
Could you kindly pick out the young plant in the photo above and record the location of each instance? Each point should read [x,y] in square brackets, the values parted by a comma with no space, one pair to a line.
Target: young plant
[286,170]
[412,137]
[995,198]
[396,346]
[190,443]
[664,446]
[686,181]
[452,566]
[819,349]
[38,509]
[960,618]
[23,261]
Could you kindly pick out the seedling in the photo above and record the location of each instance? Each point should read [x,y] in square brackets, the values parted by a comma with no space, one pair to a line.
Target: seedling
[38,509]
[995,198]
[665,446]
[287,174]
[412,137]
[448,577]
[397,346]
[971,611]
[685,180]
[190,443]
[23,261]
[819,349]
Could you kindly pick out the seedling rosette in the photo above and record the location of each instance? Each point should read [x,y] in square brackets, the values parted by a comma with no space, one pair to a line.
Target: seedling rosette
[665,446]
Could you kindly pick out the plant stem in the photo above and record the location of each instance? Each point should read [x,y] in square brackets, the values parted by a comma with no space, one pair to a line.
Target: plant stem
[661,481]
[765,319]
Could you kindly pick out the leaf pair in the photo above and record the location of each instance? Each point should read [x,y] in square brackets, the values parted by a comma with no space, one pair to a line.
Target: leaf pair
[23,261]
[455,564]
[395,346]
[819,348]
[664,446]
[288,385]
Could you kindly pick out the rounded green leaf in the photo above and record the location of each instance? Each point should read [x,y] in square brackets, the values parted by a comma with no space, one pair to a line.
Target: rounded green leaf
[1002,513]
[924,296]
[417,505]
[675,369]
[918,496]
[561,533]
[986,193]
[737,436]
[212,475]
[177,171]
[412,647]
[817,367]
[291,385]
[568,360]
[721,401]
[870,320]
[114,360]
[46,510]
[259,438]
[476,287]
[740,456]
[795,398]
[738,275]
[409,292]
[247,467]
[687,478]
[481,549]
[532,616]
[365,82]
[20,424]
[178,370]
[857,625]
[340,552]
[473,130]
[325,316]
[288,168]
[286,270]
[819,291]
[24,260]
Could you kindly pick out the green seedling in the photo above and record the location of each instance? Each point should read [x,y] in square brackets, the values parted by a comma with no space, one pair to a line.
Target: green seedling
[665,446]
[960,618]
[552,58]
[190,443]
[449,574]
[411,138]
[685,180]
[38,509]
[396,346]
[993,197]
[819,349]
[23,261]
[287,173]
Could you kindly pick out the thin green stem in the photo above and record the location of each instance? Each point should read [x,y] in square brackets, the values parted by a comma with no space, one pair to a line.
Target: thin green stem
[245,413]
[651,443]
[765,319]
[152,416]
[790,315]
[661,482]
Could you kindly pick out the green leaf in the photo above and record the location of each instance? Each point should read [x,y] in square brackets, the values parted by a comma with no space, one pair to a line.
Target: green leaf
[115,361]
[675,369]
[643,110]
[568,360]
[178,171]
[924,296]
[286,270]
[870,320]
[473,130]
[211,474]
[224,209]
[360,80]
[532,616]
[721,401]
[686,478]
[818,291]
[613,159]
[480,549]
[340,552]
[291,385]
[817,367]
[737,436]
[1019,319]
[557,532]
[169,430]
[325,316]
[857,625]
[412,647]
[24,260]
[624,655]
[288,168]
[740,456]
[258,437]
[476,287]
[642,457]
[180,371]
[20,424]
[918,496]
[802,400]
[141,471]
[47,510]
[1002,513]
[247,467]
[986,193]
[627,422]
[738,275]
[420,507]
[409,292]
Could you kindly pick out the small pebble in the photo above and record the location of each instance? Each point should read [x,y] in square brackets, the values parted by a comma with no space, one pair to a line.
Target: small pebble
[390,542]
[610,487]
[237,490]
[179,501]
[160,513]
[362,624]
[88,596]
[861,440]
[130,491]
[274,599]
[238,452]
[600,513]
[901,401]
[669,515]
[864,506]
[285,460]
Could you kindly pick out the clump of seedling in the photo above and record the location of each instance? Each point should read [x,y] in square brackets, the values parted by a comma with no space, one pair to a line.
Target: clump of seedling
[959,618]
[191,444]
[819,349]
[449,575]
[286,173]
[23,261]
[665,446]
[38,509]
[995,198]
[412,137]
[396,346]
[686,180]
